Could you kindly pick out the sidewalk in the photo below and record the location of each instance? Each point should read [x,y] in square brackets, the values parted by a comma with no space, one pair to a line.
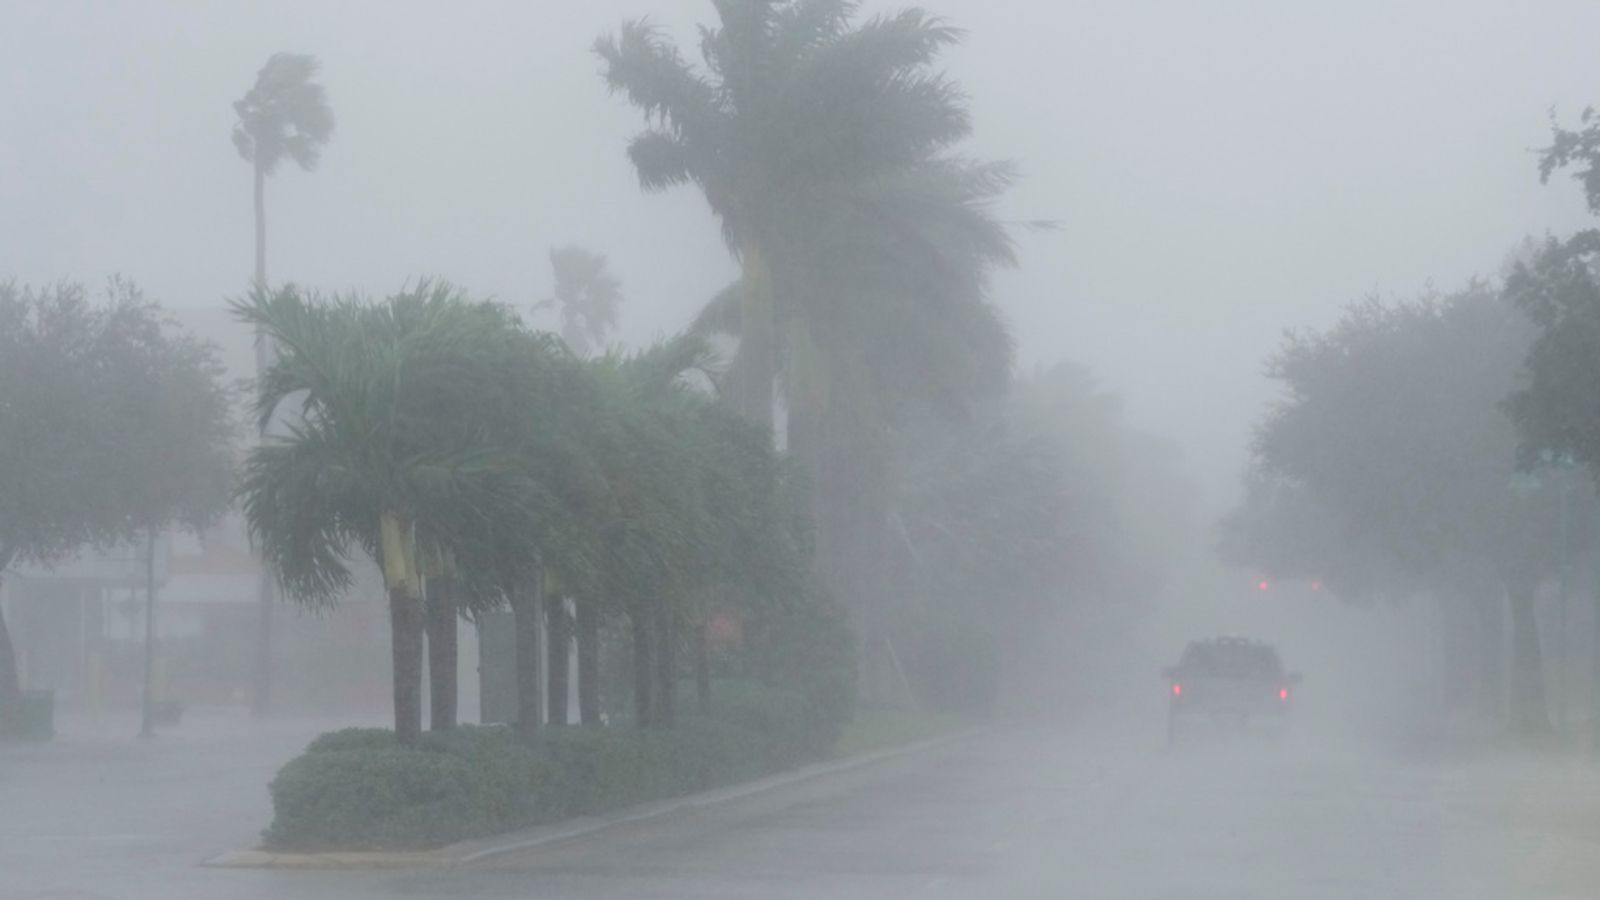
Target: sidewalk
[103,804]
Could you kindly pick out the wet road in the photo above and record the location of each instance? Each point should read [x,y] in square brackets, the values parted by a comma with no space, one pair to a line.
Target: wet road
[1029,813]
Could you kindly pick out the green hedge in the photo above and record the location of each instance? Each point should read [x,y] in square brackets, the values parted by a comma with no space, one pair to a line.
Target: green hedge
[357,789]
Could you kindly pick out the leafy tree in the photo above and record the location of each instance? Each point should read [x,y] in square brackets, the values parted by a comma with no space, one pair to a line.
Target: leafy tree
[112,427]
[1579,149]
[284,115]
[174,424]
[1392,420]
[388,454]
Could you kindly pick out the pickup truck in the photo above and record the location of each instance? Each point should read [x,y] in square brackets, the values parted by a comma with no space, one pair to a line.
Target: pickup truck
[1228,682]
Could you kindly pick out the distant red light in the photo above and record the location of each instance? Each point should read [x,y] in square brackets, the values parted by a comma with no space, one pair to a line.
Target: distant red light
[1177,689]
[1263,585]
[1316,585]
[1283,694]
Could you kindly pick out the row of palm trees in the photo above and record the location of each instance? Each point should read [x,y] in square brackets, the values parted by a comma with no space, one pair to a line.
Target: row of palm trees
[827,146]
[481,463]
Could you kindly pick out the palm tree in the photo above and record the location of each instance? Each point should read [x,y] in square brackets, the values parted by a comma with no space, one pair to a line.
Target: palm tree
[587,296]
[284,115]
[391,452]
[798,105]
[821,142]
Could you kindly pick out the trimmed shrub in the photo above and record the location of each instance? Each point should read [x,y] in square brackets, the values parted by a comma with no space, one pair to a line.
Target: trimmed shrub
[357,789]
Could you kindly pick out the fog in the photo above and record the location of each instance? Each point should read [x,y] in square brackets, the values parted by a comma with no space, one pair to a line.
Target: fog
[1194,181]
[1220,173]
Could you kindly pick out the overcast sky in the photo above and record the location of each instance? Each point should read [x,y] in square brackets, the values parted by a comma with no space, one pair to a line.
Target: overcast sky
[1223,170]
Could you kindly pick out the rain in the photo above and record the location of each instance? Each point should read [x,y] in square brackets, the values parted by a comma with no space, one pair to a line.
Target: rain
[799,448]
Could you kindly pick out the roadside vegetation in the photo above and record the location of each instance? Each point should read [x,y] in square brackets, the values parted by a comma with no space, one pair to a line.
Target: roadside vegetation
[1446,448]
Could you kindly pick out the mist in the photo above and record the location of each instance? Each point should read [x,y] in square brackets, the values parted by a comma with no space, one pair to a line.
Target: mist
[1263,331]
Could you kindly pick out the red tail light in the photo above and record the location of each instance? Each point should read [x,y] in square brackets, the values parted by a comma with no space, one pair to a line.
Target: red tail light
[1177,689]
[1283,694]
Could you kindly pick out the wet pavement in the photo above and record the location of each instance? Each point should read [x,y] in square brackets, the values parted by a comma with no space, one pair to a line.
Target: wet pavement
[1015,812]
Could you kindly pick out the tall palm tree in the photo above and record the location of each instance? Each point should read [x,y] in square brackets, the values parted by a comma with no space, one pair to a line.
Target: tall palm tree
[285,115]
[821,143]
[391,450]
[798,104]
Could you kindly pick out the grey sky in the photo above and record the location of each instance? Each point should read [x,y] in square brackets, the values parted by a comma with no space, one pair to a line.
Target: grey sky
[1223,170]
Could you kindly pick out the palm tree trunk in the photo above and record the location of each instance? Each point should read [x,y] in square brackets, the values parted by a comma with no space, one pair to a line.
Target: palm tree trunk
[10,682]
[755,371]
[666,699]
[1530,714]
[525,604]
[405,625]
[147,708]
[588,662]
[443,649]
[643,664]
[560,661]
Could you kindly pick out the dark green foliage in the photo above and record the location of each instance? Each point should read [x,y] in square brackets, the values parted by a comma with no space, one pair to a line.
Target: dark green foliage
[390,797]
[358,789]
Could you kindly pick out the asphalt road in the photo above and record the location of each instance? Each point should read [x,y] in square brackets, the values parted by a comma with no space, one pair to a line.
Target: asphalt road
[1012,813]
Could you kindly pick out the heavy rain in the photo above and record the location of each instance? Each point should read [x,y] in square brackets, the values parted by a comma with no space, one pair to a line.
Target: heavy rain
[799,448]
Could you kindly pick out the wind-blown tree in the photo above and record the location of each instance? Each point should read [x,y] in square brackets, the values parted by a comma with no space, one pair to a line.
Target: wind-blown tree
[112,426]
[284,115]
[587,298]
[387,453]
[1392,419]
[654,525]
[798,104]
[820,142]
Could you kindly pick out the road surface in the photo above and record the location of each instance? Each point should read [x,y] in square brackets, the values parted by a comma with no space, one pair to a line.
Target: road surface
[1016,812]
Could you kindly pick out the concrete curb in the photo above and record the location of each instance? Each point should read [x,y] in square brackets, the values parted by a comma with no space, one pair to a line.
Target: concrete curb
[474,851]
